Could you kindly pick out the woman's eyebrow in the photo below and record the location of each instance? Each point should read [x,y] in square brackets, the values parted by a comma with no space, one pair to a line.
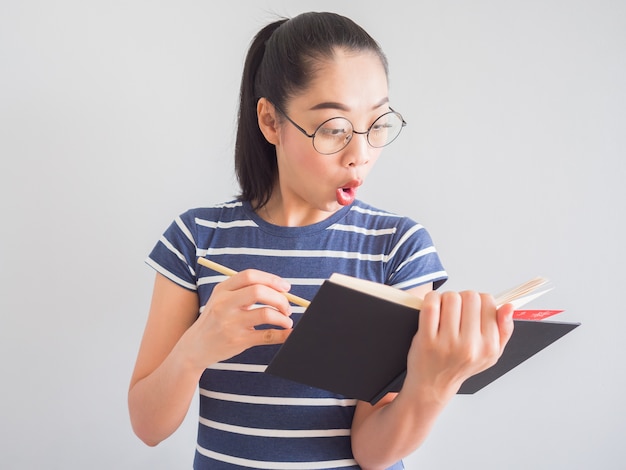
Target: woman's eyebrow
[343,107]
[330,105]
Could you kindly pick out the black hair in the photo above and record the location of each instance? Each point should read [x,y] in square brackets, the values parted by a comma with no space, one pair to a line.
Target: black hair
[280,63]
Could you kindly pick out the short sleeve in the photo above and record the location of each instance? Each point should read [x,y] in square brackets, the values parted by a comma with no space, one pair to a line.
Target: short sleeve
[413,259]
[174,255]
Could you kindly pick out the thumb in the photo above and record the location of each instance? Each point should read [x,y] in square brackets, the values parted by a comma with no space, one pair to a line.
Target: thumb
[504,318]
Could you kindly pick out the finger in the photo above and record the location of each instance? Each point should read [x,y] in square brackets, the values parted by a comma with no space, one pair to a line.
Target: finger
[471,319]
[270,336]
[264,295]
[450,321]
[429,315]
[504,318]
[267,316]
[250,277]
[489,327]
[488,316]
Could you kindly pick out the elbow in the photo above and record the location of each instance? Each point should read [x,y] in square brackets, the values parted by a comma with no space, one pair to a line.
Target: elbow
[149,442]
[365,466]
[365,461]
[144,434]
[143,428]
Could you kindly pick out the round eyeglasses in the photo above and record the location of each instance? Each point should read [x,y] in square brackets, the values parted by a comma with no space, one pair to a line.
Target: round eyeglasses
[334,134]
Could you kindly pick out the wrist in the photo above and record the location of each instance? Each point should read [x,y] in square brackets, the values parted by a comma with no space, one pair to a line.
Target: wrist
[437,393]
[189,361]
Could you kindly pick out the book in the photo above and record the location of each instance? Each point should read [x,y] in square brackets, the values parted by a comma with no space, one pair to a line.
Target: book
[354,338]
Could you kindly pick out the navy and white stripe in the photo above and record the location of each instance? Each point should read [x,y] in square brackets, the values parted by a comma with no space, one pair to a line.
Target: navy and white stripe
[249,419]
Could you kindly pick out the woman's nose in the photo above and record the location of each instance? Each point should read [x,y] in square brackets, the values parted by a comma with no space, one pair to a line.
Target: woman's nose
[357,152]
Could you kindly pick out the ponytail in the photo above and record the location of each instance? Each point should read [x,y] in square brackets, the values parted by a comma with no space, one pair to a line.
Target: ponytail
[255,157]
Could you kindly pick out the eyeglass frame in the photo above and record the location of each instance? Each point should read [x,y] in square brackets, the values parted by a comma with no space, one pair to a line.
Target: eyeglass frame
[365,133]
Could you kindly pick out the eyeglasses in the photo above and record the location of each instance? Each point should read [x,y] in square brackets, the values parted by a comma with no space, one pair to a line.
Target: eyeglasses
[334,134]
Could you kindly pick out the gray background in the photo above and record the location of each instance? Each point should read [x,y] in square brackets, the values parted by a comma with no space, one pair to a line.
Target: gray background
[116,116]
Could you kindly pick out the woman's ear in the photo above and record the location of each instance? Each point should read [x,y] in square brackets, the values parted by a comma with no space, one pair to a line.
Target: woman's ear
[266,115]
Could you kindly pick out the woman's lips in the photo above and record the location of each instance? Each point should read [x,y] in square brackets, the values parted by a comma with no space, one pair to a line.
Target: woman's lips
[347,194]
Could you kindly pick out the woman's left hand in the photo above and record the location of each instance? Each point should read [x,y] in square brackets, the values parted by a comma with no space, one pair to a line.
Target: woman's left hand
[460,335]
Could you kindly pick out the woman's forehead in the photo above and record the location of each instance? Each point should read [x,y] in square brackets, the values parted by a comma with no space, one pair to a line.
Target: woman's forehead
[347,81]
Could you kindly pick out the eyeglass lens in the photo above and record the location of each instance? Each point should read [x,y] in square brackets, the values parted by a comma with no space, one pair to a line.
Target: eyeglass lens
[333,135]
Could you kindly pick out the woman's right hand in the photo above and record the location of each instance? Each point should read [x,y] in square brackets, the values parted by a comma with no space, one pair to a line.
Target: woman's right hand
[226,325]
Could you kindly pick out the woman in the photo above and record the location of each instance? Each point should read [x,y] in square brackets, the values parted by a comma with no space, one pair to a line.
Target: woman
[314,116]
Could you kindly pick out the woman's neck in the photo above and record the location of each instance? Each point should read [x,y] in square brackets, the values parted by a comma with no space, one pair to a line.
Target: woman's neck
[290,214]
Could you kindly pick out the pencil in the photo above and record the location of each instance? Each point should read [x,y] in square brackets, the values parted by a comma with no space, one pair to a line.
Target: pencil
[294,299]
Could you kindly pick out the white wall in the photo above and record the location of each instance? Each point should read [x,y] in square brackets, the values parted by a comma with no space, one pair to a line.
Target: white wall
[115,116]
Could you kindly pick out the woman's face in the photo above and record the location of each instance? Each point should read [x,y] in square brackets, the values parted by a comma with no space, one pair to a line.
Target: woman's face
[353,86]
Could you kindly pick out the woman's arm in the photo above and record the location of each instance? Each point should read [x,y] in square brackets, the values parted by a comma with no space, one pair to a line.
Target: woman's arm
[178,345]
[460,334]
[163,383]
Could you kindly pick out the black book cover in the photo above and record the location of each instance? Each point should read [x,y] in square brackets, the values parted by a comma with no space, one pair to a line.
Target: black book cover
[355,344]
[529,337]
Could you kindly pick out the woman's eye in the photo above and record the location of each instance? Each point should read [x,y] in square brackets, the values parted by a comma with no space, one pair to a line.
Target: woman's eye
[381,127]
[332,132]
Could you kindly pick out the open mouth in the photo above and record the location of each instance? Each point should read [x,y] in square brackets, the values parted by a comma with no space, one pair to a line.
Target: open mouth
[346,195]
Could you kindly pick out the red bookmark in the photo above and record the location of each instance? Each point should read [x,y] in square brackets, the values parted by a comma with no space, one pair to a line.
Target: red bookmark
[534,314]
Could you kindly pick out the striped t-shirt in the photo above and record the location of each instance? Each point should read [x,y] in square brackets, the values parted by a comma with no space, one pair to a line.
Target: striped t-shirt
[249,419]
